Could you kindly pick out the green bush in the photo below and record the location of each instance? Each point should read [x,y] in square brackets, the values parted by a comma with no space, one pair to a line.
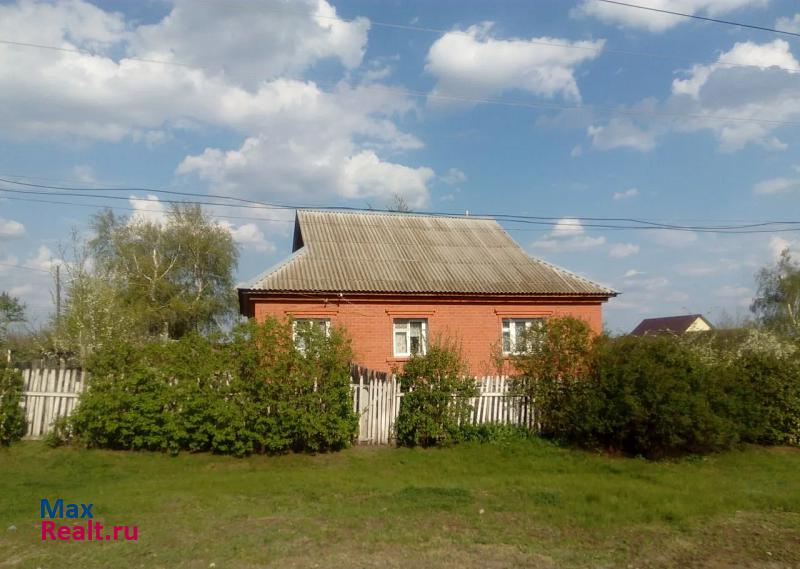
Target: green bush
[255,392]
[642,396]
[437,400]
[12,416]
[554,363]
[656,398]
[765,390]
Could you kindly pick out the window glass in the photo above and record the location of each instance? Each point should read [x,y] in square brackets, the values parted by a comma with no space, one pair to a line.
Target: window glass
[400,345]
[304,325]
[514,330]
[410,336]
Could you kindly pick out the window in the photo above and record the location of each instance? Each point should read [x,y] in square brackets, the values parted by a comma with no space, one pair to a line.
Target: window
[307,325]
[514,332]
[410,337]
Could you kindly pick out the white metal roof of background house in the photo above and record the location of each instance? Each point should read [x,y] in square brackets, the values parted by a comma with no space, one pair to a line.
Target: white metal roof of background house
[407,253]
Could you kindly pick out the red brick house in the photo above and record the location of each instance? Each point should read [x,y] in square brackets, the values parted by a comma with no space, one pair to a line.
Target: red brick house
[396,280]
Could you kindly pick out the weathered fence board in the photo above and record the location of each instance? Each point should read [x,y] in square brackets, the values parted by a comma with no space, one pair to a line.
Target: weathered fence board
[377,396]
[49,393]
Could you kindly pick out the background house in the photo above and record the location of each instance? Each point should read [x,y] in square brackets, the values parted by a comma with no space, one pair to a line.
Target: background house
[672,325]
[397,280]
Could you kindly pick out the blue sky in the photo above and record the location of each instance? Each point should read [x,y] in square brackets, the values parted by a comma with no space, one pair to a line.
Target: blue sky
[318,103]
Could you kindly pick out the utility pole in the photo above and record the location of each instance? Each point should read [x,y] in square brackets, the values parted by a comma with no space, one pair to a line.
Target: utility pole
[58,296]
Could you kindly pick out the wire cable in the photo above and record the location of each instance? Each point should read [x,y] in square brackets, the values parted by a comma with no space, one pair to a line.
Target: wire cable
[551,222]
[478,100]
[696,17]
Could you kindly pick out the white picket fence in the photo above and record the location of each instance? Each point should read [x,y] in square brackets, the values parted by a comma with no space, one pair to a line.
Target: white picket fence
[49,393]
[377,396]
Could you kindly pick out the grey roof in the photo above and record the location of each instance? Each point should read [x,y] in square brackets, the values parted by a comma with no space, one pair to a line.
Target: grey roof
[378,252]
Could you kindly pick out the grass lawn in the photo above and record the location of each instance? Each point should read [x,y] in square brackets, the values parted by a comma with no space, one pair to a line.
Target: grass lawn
[525,504]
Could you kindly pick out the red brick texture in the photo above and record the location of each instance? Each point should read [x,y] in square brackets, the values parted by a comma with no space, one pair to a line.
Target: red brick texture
[474,322]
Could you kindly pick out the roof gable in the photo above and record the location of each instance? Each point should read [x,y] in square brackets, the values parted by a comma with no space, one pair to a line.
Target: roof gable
[673,324]
[378,252]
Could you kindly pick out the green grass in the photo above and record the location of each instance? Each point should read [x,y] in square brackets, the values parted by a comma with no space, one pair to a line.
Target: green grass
[522,504]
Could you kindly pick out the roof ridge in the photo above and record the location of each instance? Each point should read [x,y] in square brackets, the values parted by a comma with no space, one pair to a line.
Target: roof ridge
[387,213]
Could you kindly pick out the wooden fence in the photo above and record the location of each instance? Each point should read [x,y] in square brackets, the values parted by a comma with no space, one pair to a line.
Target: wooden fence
[377,396]
[50,393]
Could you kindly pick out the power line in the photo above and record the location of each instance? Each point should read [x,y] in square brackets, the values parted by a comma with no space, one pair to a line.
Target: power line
[24,267]
[604,49]
[136,189]
[485,100]
[93,53]
[256,204]
[552,222]
[696,17]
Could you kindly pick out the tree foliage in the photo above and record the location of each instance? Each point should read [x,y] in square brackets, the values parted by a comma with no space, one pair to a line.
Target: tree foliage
[11,310]
[558,353]
[138,279]
[777,301]
[12,417]
[437,400]
[178,276]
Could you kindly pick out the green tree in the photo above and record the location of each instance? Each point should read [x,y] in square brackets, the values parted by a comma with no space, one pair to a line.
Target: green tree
[553,360]
[11,310]
[777,301]
[177,276]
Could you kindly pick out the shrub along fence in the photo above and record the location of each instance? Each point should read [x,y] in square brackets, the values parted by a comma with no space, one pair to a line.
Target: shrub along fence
[377,397]
[52,393]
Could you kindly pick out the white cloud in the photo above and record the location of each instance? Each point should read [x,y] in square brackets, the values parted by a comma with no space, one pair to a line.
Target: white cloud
[739,295]
[568,235]
[777,245]
[44,259]
[474,62]
[789,24]
[454,176]
[730,291]
[256,41]
[630,273]
[249,235]
[777,186]
[658,22]
[298,140]
[10,229]
[576,152]
[750,103]
[148,209]
[621,133]
[627,194]
[319,169]
[622,250]
[84,174]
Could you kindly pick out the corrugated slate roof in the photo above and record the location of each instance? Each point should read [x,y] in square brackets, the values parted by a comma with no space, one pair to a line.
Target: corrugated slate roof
[673,324]
[378,252]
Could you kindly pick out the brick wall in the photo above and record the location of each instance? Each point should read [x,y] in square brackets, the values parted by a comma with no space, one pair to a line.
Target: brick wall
[475,323]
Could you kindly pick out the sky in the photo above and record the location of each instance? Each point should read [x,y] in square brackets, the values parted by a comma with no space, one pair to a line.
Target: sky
[548,108]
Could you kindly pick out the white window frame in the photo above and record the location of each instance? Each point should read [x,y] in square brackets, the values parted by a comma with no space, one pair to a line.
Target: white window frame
[403,326]
[510,324]
[326,322]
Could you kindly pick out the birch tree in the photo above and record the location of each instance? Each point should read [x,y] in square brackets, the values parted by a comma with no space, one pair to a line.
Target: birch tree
[777,301]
